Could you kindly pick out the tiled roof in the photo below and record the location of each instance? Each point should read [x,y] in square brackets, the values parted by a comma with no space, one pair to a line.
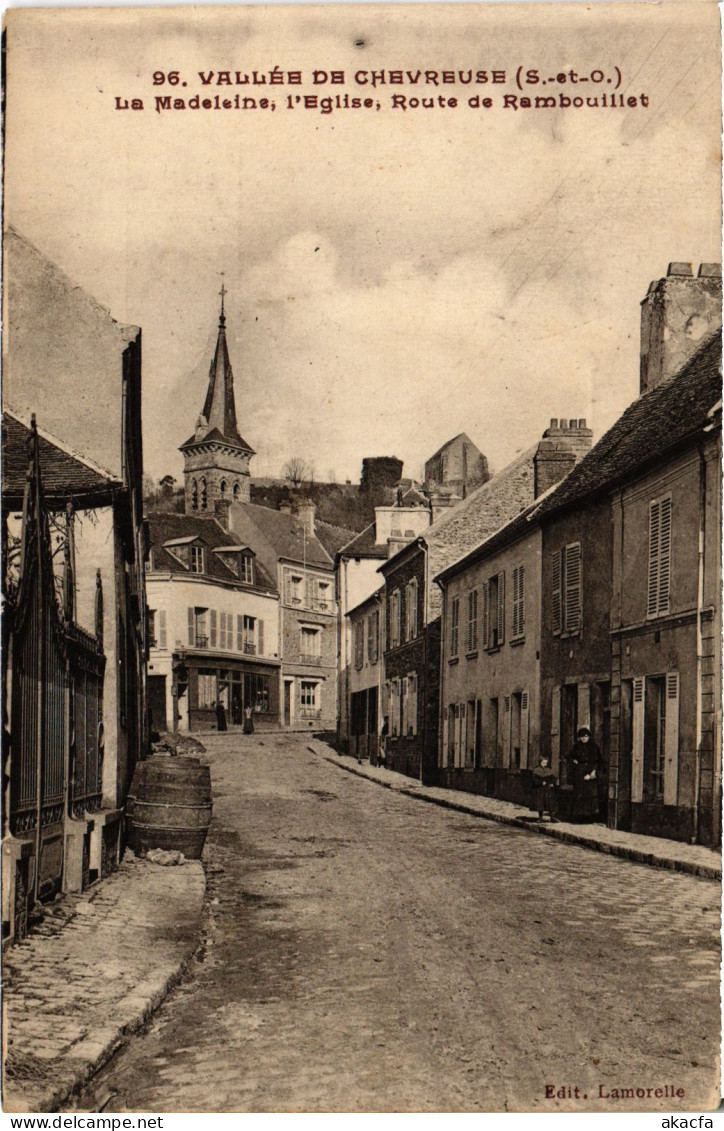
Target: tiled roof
[284,533]
[505,536]
[65,475]
[478,516]
[179,528]
[364,546]
[333,538]
[655,423]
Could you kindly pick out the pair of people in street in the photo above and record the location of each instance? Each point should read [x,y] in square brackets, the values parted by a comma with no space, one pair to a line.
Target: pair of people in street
[247,728]
[584,771]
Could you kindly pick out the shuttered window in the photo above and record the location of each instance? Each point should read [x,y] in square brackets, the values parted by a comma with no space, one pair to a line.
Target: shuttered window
[161,620]
[411,609]
[567,589]
[659,557]
[472,636]
[212,628]
[455,626]
[485,618]
[260,631]
[192,626]
[518,611]
[501,609]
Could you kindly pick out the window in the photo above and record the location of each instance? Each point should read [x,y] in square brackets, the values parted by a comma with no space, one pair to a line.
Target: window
[395,717]
[197,628]
[411,610]
[194,495]
[472,635]
[248,632]
[222,488]
[151,614]
[472,735]
[359,644]
[373,633]
[395,619]
[197,559]
[411,704]
[566,585]
[237,492]
[454,626]
[493,619]
[206,689]
[518,625]
[247,569]
[202,493]
[451,716]
[320,595]
[659,557]
[294,589]
[309,698]
[212,628]
[311,644]
[256,692]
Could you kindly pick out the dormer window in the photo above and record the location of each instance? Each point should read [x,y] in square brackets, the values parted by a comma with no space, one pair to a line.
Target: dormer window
[197,559]
[247,569]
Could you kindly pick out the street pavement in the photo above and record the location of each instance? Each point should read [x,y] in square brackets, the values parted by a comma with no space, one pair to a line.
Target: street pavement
[366,952]
[91,973]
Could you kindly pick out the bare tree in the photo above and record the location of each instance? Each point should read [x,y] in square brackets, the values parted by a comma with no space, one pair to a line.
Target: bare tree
[295,471]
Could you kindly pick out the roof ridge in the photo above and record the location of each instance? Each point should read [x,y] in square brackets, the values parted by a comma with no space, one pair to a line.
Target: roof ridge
[62,446]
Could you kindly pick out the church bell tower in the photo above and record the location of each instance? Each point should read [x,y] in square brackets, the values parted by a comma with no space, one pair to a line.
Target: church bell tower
[216,458]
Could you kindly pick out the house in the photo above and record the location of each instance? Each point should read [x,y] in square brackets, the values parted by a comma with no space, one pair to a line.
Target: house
[73,578]
[367,622]
[289,546]
[413,600]
[357,578]
[630,587]
[213,626]
[489,679]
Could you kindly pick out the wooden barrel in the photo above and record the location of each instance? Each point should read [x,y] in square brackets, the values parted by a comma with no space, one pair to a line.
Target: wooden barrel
[169,806]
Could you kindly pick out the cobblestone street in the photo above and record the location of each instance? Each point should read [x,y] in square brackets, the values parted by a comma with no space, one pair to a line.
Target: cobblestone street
[367,952]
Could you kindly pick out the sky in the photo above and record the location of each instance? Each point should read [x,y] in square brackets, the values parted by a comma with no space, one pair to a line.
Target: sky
[394,276]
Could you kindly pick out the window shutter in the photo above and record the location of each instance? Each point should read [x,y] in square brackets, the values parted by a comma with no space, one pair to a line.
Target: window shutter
[212,628]
[485,621]
[664,556]
[671,740]
[654,529]
[260,630]
[239,633]
[162,628]
[556,729]
[524,717]
[573,587]
[637,750]
[507,719]
[521,600]
[583,713]
[308,592]
[192,627]
[501,608]
[514,630]
[556,590]
[442,753]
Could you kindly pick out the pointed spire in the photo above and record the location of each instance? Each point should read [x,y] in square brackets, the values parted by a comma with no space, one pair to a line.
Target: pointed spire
[219,407]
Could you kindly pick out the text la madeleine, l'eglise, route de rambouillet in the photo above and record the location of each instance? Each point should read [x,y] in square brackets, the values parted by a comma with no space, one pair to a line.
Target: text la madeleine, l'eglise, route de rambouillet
[607,96]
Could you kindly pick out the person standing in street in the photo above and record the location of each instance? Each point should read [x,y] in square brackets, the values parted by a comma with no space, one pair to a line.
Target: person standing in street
[584,761]
[248,727]
[220,716]
[382,752]
[543,791]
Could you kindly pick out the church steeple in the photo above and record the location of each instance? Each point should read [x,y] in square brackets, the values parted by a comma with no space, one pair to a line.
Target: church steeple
[219,407]
[216,458]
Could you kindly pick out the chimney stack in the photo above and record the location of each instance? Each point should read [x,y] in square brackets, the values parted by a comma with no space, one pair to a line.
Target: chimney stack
[286,507]
[306,511]
[221,512]
[678,314]
[564,443]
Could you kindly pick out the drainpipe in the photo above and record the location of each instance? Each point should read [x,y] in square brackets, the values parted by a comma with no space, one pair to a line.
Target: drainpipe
[441,759]
[699,646]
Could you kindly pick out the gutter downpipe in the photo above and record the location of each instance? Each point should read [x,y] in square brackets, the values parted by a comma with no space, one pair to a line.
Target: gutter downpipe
[699,647]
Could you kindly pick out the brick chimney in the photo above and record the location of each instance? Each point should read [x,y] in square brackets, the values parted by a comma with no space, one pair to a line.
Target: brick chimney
[221,512]
[306,511]
[563,444]
[678,314]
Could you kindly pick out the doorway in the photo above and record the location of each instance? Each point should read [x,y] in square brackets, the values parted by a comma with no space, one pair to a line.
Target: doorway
[288,686]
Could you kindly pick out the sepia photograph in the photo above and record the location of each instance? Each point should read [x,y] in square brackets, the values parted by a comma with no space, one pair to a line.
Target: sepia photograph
[361,571]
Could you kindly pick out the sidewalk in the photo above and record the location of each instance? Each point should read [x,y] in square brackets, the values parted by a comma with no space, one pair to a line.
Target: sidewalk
[696,859]
[91,973]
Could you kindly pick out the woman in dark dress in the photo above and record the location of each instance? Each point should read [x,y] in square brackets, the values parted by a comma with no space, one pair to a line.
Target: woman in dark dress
[584,762]
[220,716]
[248,727]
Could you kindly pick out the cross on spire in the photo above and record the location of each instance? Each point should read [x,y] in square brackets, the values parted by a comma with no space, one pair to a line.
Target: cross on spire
[222,292]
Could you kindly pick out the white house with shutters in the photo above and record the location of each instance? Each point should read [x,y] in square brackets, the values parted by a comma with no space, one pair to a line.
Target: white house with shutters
[213,627]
